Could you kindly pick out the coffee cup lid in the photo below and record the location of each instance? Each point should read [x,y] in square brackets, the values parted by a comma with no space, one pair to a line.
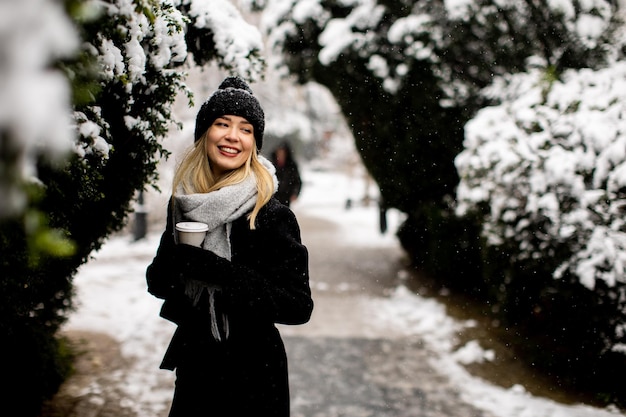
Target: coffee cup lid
[192,227]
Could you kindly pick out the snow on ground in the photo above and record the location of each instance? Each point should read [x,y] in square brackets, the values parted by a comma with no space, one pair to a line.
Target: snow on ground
[112,299]
[427,318]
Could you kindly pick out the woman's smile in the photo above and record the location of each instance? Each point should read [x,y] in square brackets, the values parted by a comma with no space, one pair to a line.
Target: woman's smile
[228,150]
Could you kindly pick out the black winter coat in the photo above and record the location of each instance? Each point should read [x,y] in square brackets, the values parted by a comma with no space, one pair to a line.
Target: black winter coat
[265,282]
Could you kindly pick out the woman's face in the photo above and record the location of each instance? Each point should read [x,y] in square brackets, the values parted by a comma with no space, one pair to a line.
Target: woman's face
[229,143]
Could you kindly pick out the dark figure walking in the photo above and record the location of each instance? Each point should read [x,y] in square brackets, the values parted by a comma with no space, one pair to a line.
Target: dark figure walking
[250,272]
[289,181]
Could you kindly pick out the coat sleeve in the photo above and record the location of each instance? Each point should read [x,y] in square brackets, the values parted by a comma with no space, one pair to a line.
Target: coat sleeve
[269,278]
[276,281]
[160,274]
[163,278]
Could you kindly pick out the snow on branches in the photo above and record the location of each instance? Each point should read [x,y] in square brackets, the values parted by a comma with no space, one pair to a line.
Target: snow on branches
[550,165]
[34,99]
[238,44]
[136,48]
[123,54]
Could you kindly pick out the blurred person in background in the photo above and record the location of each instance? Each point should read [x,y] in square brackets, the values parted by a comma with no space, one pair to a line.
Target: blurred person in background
[250,272]
[289,181]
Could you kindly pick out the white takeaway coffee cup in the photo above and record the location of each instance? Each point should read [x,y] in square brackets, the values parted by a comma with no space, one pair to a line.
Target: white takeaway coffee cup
[191,233]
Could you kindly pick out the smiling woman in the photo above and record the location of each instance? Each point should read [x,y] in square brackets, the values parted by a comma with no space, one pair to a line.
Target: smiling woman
[228,126]
[250,272]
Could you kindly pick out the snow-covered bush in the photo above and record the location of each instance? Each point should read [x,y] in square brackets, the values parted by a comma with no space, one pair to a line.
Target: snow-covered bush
[35,102]
[546,169]
[471,41]
[141,40]
[407,74]
[124,64]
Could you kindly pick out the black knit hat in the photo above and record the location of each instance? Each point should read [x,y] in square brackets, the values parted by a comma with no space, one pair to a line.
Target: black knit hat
[233,97]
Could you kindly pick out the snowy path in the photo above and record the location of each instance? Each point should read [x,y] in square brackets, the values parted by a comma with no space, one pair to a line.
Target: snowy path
[378,315]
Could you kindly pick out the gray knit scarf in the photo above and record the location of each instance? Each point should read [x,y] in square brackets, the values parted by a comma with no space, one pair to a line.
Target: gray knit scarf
[218,209]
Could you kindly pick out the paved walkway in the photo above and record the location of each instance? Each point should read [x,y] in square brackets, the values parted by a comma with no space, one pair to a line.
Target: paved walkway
[341,364]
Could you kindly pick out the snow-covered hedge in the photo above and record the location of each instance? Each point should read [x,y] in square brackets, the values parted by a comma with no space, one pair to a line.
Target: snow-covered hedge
[142,45]
[408,75]
[143,49]
[546,169]
[430,31]
[93,83]
[35,100]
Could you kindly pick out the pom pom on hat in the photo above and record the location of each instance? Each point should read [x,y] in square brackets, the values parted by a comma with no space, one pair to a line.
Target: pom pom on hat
[234,97]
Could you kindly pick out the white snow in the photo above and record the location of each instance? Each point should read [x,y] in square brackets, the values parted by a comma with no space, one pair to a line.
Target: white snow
[529,155]
[34,99]
[234,37]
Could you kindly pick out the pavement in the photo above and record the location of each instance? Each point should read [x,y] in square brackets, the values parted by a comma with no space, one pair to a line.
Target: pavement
[341,363]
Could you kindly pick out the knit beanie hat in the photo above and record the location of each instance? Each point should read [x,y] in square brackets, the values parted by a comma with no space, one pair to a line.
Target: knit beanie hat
[234,97]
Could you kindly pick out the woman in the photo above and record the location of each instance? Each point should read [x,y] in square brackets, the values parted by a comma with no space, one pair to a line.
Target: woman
[250,273]
[289,181]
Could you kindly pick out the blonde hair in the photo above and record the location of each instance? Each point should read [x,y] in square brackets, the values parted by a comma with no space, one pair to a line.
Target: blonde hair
[194,175]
